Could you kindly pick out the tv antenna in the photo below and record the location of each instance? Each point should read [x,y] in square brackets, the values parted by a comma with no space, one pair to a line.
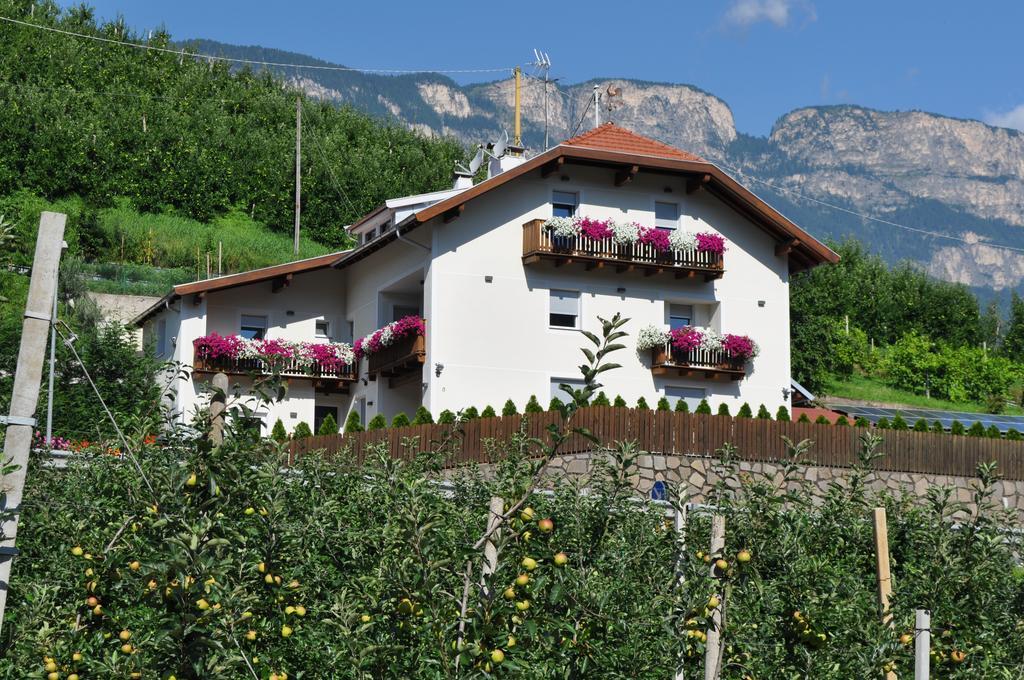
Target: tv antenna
[542,65]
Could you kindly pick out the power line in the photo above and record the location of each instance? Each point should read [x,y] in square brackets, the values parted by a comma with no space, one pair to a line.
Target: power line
[253,62]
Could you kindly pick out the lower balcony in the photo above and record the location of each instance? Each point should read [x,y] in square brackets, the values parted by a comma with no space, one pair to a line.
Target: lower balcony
[330,378]
[540,244]
[405,356]
[697,363]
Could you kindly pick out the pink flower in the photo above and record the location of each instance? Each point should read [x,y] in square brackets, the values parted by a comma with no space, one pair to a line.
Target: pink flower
[738,346]
[405,327]
[216,346]
[656,238]
[686,338]
[271,349]
[596,230]
[710,243]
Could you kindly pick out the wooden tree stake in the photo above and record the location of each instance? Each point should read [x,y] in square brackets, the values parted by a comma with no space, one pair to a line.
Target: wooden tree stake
[217,406]
[712,656]
[882,566]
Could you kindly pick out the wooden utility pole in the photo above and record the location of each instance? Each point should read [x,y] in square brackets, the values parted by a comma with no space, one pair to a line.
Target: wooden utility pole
[27,378]
[298,169]
[712,648]
[881,526]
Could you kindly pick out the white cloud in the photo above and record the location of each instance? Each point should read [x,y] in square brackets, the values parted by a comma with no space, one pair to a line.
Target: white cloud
[1014,118]
[744,13]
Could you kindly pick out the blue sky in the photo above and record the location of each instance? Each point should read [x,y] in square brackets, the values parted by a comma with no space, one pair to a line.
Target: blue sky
[763,57]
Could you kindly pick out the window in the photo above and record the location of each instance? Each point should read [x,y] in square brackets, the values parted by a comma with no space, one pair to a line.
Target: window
[369,235]
[402,311]
[691,395]
[161,337]
[323,328]
[320,413]
[666,215]
[563,204]
[564,311]
[557,391]
[253,327]
[679,316]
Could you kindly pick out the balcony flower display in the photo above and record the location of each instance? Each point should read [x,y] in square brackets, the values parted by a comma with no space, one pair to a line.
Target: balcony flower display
[690,338]
[274,351]
[382,337]
[629,233]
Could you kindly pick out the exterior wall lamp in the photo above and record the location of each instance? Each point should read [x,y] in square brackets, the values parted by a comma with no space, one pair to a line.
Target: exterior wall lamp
[438,367]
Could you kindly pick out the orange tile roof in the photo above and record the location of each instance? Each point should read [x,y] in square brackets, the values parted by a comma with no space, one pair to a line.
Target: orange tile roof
[611,137]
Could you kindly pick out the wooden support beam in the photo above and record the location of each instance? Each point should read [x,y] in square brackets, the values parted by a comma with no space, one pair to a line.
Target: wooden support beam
[552,167]
[696,183]
[626,175]
[281,282]
[454,213]
[786,246]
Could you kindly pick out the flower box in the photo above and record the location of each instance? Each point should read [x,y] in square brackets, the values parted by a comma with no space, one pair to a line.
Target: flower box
[289,358]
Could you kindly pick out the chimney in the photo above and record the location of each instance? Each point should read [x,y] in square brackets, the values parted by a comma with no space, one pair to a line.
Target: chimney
[461,180]
[513,157]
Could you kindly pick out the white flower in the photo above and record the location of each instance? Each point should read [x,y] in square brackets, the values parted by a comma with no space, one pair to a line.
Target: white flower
[248,349]
[682,240]
[711,340]
[563,227]
[625,233]
[650,337]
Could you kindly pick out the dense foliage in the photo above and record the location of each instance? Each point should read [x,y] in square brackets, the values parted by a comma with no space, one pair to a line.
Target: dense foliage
[184,136]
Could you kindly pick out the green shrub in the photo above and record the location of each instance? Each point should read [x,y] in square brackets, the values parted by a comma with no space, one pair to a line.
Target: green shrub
[400,420]
[920,425]
[723,409]
[883,424]
[1013,434]
[470,413]
[763,413]
[555,404]
[899,424]
[488,412]
[509,409]
[993,432]
[663,405]
[976,430]
[278,433]
[682,406]
[745,411]
[841,420]
[446,417]
[422,416]
[641,404]
[601,400]
[937,428]
[329,426]
[619,401]
[956,427]
[533,406]
[861,421]
[703,408]
[353,423]
[782,415]
[378,422]
[822,420]
[803,418]
[302,430]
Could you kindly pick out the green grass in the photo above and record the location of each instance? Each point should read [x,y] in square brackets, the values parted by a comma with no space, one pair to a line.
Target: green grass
[132,279]
[170,241]
[866,388]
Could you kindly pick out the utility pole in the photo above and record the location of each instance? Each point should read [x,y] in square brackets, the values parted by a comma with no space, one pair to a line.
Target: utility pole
[298,169]
[42,290]
[53,362]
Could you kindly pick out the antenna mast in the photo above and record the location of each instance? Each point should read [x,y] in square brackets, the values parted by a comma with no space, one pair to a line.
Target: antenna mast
[597,107]
[517,138]
[542,62]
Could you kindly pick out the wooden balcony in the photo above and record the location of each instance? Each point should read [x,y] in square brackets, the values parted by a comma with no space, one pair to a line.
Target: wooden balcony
[539,244]
[696,363]
[404,357]
[330,379]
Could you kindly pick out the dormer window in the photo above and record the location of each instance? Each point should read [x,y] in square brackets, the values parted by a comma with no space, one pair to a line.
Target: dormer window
[564,203]
[666,215]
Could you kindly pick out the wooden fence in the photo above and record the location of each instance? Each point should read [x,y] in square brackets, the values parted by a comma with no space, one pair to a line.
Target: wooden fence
[685,434]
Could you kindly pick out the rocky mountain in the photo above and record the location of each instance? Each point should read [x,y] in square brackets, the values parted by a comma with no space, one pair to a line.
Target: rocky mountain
[960,179]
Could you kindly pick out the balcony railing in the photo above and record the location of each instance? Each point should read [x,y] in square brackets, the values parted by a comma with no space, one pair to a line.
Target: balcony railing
[697,362]
[286,368]
[540,244]
[404,356]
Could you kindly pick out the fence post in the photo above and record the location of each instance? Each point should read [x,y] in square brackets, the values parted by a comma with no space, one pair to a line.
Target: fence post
[922,644]
[882,567]
[217,406]
[712,651]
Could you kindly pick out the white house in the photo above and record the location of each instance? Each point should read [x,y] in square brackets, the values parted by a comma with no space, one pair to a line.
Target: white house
[504,290]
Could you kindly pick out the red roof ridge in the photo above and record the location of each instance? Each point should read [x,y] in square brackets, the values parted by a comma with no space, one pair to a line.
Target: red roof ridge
[612,137]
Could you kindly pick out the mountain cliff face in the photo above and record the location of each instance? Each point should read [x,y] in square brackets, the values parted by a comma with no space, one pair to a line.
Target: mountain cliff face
[961,179]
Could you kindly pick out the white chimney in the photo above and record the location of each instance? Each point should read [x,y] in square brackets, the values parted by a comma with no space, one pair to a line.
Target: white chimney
[461,180]
[496,166]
